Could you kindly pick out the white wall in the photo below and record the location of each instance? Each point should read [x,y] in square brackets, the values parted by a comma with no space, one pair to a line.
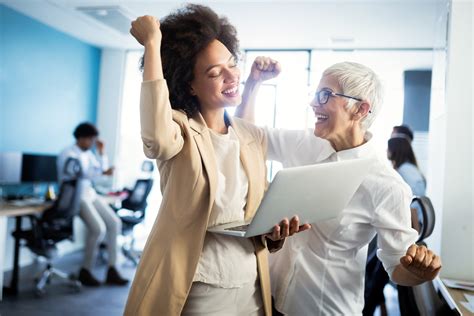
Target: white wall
[451,172]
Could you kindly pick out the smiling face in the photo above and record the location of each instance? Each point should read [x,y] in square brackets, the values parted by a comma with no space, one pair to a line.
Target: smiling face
[216,78]
[334,121]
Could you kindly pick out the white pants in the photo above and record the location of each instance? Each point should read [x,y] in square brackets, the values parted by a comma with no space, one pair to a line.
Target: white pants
[101,221]
[205,299]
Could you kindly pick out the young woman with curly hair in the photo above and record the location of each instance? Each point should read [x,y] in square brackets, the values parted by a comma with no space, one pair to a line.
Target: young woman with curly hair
[212,171]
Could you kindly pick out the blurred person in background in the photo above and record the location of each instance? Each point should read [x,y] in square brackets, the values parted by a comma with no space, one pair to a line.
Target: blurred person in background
[99,218]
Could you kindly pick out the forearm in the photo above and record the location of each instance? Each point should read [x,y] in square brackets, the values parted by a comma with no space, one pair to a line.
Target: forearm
[246,110]
[153,69]
[404,277]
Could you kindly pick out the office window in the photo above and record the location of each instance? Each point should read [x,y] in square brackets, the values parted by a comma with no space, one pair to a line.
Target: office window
[282,102]
[130,151]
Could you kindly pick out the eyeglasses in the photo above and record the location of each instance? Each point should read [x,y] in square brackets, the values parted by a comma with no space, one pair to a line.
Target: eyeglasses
[323,96]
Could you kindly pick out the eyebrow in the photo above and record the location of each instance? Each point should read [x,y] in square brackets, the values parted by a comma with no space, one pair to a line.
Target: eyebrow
[212,66]
[327,89]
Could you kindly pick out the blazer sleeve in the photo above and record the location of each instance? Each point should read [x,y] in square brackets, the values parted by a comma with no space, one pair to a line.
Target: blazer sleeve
[161,135]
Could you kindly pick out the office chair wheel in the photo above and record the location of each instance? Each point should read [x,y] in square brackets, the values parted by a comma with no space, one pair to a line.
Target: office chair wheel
[77,285]
[39,292]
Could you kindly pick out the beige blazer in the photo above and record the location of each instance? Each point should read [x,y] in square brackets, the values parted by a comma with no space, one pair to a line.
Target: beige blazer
[188,173]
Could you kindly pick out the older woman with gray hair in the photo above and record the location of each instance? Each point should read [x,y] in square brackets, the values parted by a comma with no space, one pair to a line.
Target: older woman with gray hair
[322,271]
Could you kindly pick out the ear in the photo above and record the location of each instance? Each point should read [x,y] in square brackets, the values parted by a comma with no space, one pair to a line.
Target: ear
[362,110]
[191,90]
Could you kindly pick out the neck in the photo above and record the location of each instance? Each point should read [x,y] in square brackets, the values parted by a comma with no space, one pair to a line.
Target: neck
[350,139]
[81,147]
[215,120]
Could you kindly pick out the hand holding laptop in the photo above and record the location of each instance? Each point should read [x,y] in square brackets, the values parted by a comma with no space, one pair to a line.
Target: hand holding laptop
[287,228]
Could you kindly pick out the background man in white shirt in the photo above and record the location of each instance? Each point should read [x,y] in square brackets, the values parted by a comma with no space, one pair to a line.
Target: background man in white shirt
[97,215]
[321,272]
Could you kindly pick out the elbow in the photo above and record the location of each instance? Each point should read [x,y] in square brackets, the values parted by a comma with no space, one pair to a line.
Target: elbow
[156,150]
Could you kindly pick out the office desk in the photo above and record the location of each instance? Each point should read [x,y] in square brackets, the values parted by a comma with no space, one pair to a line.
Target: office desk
[458,296]
[452,297]
[9,210]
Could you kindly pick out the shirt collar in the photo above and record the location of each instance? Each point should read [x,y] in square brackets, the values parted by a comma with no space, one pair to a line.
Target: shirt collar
[363,151]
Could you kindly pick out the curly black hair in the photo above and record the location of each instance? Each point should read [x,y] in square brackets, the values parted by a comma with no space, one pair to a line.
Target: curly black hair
[85,130]
[185,33]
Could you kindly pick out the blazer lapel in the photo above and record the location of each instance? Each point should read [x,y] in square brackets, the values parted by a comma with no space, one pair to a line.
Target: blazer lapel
[204,145]
[245,158]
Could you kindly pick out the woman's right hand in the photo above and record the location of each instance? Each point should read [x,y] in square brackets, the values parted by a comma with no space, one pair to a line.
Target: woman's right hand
[146,30]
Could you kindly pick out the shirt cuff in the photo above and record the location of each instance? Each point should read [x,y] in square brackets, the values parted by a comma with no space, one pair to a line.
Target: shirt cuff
[272,246]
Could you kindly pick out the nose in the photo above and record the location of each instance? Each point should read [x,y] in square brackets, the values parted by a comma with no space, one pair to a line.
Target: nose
[314,104]
[232,74]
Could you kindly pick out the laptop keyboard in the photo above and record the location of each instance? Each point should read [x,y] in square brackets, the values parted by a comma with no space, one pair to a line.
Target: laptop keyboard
[241,228]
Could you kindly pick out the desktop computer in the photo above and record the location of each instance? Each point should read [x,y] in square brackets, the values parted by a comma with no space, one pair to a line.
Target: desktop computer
[10,167]
[38,168]
[23,175]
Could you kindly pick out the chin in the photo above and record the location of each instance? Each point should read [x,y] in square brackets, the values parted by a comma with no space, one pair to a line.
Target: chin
[235,102]
[319,132]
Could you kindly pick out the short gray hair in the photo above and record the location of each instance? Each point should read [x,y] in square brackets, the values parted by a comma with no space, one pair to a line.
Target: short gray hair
[361,82]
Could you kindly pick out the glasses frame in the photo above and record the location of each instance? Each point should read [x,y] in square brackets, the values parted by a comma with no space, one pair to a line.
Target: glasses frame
[334,94]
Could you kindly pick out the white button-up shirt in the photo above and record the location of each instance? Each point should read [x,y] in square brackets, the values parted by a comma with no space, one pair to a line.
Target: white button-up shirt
[321,271]
[92,166]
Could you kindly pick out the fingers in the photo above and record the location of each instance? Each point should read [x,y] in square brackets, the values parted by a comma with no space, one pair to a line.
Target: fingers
[406,261]
[275,235]
[435,264]
[411,251]
[421,261]
[419,257]
[264,63]
[285,228]
[294,225]
[304,227]
[145,28]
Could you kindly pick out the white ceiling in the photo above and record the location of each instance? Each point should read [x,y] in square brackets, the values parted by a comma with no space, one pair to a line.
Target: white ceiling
[386,24]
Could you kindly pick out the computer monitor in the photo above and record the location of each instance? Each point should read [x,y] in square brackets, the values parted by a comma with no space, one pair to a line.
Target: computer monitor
[38,168]
[10,167]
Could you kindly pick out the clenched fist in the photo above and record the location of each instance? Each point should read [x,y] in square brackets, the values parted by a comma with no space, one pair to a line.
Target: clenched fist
[146,30]
[264,68]
[422,262]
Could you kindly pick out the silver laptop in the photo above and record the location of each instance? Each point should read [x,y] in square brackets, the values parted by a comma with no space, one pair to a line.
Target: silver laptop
[314,193]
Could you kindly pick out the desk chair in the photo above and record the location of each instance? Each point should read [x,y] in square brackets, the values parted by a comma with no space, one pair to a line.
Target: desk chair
[53,226]
[132,212]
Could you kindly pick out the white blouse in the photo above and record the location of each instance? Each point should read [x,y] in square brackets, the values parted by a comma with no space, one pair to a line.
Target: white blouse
[227,261]
[321,272]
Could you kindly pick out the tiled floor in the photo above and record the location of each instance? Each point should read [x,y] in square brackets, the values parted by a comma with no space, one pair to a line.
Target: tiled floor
[61,299]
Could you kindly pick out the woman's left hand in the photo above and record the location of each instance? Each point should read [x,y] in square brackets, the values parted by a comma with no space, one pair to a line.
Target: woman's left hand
[287,228]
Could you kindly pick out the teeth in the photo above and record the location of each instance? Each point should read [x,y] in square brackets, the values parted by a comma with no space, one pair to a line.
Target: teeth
[321,116]
[232,90]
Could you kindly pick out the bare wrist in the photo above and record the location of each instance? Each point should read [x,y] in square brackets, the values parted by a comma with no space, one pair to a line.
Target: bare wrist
[152,44]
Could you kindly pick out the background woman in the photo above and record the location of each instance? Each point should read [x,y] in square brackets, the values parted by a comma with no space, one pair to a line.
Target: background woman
[403,159]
